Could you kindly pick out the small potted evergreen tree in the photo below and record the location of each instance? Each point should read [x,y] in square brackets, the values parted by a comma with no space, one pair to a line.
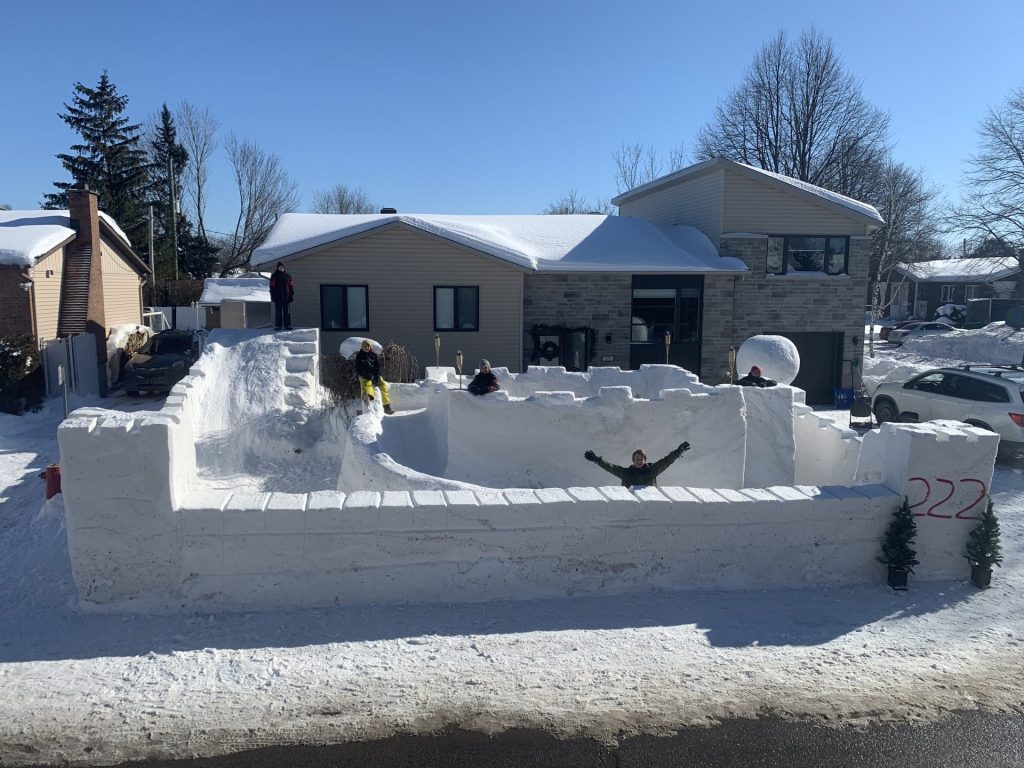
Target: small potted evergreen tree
[896,547]
[983,550]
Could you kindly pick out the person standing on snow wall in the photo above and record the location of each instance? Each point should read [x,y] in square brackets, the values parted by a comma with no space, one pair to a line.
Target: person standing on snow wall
[282,292]
[640,473]
[368,371]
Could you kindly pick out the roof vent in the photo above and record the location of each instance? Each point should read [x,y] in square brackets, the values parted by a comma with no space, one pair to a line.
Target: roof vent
[389,210]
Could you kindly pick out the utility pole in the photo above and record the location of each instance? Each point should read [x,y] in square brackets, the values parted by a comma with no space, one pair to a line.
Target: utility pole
[152,264]
[174,212]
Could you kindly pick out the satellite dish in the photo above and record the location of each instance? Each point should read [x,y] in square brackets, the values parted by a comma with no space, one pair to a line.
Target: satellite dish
[1015,318]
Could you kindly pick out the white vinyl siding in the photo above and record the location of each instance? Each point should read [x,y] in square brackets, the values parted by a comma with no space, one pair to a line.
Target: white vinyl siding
[756,207]
[696,202]
[400,266]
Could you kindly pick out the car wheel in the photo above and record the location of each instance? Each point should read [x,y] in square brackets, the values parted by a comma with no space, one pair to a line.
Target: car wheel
[979,424]
[886,410]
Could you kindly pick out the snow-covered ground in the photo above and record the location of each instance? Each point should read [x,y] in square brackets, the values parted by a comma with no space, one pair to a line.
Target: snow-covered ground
[96,689]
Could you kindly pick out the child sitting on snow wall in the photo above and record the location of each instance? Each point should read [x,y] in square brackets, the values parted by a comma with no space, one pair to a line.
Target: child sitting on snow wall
[755,379]
[484,381]
[368,371]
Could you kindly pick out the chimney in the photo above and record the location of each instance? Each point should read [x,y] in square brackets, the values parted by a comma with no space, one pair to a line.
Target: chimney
[388,210]
[84,210]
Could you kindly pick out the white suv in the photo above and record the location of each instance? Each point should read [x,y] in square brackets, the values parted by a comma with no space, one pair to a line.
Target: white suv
[987,396]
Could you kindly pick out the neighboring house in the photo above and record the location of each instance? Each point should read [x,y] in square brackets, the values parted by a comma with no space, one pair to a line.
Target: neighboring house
[67,272]
[918,289]
[712,254]
[246,301]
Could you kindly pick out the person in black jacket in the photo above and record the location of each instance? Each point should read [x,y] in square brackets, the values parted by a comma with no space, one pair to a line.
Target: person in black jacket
[640,473]
[485,381]
[368,371]
[755,379]
[282,292]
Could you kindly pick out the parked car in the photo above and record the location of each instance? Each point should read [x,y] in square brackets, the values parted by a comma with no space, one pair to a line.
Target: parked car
[883,333]
[921,328]
[162,361]
[986,396]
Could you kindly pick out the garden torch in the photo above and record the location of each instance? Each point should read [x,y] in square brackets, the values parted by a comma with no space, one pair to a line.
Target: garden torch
[458,366]
[668,343]
[437,350]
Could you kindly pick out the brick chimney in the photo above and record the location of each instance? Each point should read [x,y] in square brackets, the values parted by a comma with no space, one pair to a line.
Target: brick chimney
[84,208]
[84,211]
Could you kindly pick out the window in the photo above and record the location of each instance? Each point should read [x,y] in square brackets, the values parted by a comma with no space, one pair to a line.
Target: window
[971,292]
[803,253]
[344,308]
[456,308]
[984,391]
[946,294]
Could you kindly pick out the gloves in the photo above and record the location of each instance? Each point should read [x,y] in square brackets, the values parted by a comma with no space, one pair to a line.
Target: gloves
[590,456]
[683,447]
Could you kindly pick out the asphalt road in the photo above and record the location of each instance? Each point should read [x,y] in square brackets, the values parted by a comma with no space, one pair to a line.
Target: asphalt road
[964,740]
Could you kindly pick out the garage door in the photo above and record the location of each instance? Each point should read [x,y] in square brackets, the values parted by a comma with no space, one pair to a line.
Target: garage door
[821,364]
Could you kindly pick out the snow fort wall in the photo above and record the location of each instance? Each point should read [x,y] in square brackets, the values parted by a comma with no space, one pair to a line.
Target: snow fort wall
[825,451]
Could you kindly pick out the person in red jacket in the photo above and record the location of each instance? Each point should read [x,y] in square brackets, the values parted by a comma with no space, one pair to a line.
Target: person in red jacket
[282,292]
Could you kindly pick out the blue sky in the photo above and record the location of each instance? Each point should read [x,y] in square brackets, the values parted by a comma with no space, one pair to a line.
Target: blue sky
[470,107]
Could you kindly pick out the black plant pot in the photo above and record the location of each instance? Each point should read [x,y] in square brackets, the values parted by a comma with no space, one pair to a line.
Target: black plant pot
[897,577]
[981,577]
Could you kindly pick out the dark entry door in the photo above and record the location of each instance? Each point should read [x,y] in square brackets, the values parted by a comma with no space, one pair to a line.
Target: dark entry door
[672,304]
[821,364]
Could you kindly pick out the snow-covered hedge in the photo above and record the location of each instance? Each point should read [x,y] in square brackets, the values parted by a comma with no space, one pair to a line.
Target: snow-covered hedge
[22,386]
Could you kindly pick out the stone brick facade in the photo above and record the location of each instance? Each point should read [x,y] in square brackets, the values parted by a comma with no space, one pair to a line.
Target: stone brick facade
[738,307]
[597,300]
[15,308]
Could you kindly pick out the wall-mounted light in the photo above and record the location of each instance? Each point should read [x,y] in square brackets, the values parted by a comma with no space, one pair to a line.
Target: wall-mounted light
[607,338]
[25,286]
[49,273]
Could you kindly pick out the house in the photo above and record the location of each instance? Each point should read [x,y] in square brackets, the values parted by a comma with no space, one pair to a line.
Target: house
[237,302]
[68,272]
[702,259]
[919,289]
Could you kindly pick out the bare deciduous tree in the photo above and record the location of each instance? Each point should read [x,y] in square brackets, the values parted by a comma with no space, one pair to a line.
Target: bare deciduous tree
[573,202]
[197,132]
[265,191]
[798,113]
[342,199]
[993,206]
[637,164]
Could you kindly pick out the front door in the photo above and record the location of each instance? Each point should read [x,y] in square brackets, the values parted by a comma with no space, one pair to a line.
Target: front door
[666,306]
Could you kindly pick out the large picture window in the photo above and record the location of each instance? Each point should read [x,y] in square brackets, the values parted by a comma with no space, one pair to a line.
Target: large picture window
[946,294]
[456,308]
[344,308]
[823,254]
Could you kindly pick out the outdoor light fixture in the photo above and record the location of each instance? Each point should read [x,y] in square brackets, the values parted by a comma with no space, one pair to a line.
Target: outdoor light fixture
[437,350]
[668,343]
[458,366]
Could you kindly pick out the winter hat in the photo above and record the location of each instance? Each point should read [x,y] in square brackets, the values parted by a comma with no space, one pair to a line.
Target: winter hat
[279,264]
[755,370]
[640,451]
[485,363]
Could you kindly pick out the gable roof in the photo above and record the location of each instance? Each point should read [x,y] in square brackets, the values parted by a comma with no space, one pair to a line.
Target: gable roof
[841,203]
[540,243]
[217,289]
[980,270]
[26,236]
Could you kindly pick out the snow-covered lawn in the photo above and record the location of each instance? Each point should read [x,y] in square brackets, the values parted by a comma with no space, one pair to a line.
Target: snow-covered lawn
[170,686]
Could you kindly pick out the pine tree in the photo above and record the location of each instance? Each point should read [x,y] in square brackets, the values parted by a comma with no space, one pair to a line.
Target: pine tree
[896,550]
[108,159]
[983,548]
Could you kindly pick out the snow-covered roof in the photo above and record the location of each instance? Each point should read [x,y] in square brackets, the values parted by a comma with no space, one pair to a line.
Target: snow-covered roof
[981,270]
[542,243]
[25,236]
[217,289]
[802,187]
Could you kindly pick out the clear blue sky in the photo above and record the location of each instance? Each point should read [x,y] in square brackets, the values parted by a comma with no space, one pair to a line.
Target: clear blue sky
[470,107]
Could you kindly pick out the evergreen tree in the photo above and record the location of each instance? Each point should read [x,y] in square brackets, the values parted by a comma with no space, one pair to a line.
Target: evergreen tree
[108,159]
[896,549]
[983,548]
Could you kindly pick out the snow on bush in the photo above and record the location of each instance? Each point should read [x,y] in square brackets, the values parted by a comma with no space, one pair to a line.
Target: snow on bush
[21,378]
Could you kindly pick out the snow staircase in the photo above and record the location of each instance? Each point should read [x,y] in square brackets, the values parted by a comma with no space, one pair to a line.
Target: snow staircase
[74,299]
[301,366]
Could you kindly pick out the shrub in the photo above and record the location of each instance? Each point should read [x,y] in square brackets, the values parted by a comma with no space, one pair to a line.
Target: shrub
[22,386]
[899,536]
[983,547]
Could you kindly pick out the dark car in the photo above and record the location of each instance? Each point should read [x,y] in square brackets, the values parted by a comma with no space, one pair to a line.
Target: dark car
[162,361]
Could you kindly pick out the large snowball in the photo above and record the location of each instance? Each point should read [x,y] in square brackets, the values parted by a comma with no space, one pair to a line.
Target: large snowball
[351,345]
[776,355]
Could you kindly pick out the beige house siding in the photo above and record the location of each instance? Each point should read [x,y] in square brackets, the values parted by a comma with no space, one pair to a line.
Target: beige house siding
[697,202]
[46,290]
[122,291]
[401,265]
[751,206]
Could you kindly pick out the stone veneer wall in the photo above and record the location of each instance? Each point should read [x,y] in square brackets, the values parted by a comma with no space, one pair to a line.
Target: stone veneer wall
[736,308]
[601,301]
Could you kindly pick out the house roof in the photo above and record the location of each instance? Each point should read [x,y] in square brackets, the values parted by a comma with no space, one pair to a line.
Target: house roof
[982,270]
[541,243]
[217,289]
[847,205]
[26,236]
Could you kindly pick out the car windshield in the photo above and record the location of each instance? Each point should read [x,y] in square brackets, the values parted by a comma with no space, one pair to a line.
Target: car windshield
[167,345]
